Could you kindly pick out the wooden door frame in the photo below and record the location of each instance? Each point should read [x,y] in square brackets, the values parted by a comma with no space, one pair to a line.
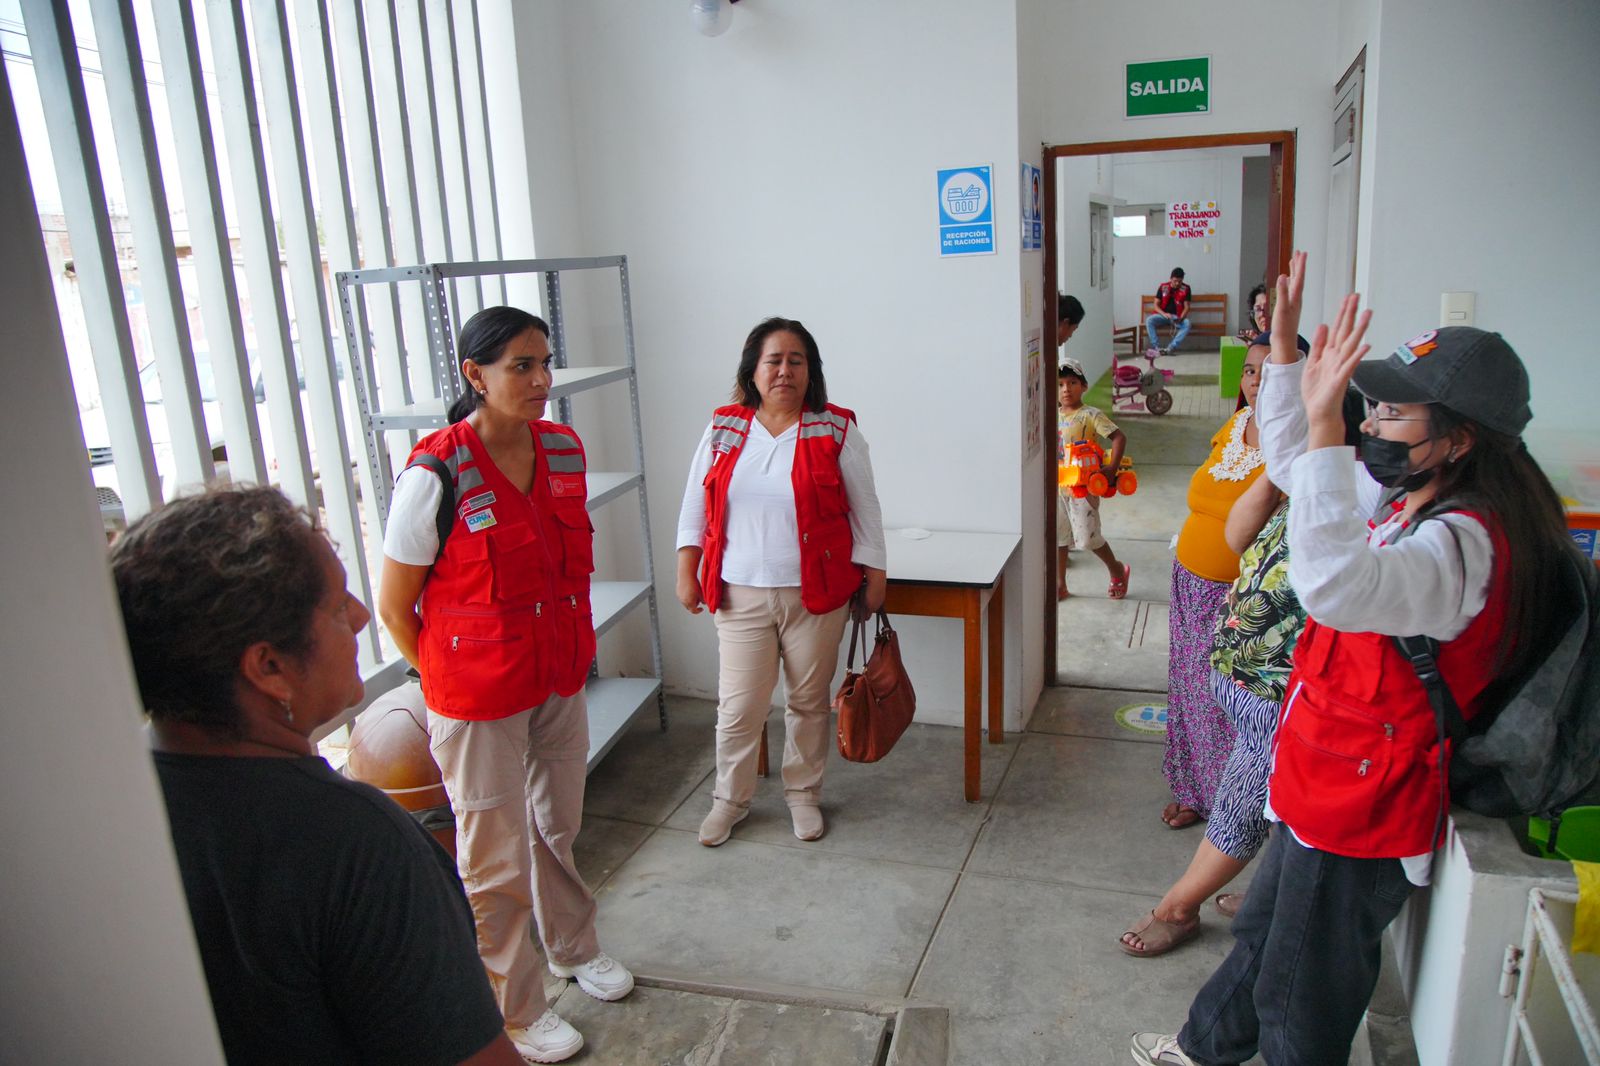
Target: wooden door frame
[1280,246]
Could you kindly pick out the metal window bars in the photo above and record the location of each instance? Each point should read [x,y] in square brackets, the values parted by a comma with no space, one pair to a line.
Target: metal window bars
[614,702]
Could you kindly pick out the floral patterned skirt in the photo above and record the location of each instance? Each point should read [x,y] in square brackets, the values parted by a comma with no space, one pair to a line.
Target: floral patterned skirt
[1199,735]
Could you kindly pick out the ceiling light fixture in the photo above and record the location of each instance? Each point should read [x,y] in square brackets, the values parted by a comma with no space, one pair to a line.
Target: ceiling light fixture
[711,17]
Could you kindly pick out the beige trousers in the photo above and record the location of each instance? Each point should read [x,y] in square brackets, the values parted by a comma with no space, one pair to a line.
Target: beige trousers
[516,787]
[757,629]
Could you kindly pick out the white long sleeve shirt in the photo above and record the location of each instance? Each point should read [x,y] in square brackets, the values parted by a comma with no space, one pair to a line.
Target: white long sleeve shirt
[763,534]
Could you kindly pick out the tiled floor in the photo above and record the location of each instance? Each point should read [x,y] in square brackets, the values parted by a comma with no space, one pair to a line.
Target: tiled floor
[1006,911]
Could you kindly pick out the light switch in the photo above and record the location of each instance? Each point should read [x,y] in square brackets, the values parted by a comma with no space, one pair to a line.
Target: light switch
[1458,308]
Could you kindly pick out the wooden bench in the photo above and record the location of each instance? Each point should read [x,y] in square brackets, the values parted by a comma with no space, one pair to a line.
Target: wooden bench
[1208,316]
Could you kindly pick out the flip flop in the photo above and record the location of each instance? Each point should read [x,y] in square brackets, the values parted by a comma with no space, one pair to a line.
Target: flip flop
[1179,815]
[1118,589]
[1229,903]
[1159,937]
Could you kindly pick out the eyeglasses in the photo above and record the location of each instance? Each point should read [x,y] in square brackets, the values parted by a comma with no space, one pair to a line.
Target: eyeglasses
[1372,413]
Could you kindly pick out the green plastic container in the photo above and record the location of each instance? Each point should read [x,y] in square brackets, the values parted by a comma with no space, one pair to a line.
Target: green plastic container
[1578,838]
[1232,370]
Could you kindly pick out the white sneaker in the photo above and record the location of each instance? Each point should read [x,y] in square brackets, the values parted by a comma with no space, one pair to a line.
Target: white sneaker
[1159,1049]
[602,977]
[719,824]
[550,1039]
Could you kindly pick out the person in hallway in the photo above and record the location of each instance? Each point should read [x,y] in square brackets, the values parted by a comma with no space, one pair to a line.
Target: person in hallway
[1448,533]
[1199,735]
[331,927]
[1069,316]
[778,533]
[497,621]
[1172,311]
[1250,657]
[1257,317]
[1078,518]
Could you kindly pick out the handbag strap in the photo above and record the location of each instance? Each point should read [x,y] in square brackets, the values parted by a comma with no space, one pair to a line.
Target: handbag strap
[858,632]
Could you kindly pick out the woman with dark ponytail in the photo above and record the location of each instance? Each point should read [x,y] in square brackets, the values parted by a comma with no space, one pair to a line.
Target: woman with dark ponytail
[496,619]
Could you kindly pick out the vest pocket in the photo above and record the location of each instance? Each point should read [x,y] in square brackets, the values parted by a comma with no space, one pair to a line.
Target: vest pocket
[482,664]
[469,554]
[1341,781]
[577,541]
[516,570]
[831,499]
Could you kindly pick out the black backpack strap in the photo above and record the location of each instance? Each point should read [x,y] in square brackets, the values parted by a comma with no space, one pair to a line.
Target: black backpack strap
[1423,655]
[445,519]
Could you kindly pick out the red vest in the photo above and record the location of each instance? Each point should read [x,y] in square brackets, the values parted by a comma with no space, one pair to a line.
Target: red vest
[1356,766]
[827,576]
[505,611]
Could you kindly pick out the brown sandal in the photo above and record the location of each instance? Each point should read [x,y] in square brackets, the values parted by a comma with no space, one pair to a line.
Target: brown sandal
[1158,937]
[1229,903]
[1179,815]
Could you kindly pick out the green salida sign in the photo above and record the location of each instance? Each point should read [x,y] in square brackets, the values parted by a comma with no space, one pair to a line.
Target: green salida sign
[1169,87]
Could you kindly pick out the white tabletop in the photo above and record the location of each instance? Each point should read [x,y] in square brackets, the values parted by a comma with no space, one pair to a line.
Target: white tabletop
[947,557]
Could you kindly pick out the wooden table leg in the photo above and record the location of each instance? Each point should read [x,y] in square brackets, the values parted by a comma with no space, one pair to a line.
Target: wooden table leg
[997,663]
[972,673]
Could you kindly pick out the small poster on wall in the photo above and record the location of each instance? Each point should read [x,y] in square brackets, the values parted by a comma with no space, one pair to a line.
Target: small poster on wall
[1032,219]
[1033,398]
[1192,219]
[966,211]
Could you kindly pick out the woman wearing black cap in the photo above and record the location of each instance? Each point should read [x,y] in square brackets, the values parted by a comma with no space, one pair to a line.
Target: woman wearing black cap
[1456,550]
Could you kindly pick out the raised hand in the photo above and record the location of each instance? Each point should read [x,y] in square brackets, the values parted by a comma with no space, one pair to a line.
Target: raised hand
[1334,356]
[1286,311]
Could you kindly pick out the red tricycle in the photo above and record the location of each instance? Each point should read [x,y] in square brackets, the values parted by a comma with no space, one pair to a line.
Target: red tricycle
[1128,383]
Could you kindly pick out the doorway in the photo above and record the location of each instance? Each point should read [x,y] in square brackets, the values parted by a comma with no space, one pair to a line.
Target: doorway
[1271,248]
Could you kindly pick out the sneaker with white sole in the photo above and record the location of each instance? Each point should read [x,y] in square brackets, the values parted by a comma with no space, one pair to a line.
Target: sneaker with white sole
[602,977]
[550,1039]
[1159,1049]
[720,822]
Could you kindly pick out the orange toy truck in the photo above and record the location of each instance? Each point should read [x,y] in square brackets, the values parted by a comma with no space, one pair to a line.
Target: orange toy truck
[1080,472]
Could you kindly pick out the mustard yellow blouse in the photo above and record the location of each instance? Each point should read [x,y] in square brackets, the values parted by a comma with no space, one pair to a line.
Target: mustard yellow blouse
[1230,469]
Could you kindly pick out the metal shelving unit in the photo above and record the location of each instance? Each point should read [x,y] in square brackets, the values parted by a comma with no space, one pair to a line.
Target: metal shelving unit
[614,702]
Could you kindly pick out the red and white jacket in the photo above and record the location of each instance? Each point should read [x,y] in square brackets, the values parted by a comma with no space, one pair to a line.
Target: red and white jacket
[827,576]
[1356,764]
[505,612]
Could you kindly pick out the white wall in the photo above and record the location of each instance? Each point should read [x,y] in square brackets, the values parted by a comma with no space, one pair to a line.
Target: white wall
[1209,265]
[1481,182]
[100,963]
[1080,179]
[1273,67]
[788,167]
[1255,206]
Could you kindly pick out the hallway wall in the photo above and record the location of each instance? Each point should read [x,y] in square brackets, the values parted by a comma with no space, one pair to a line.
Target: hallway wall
[788,168]
[1209,266]
[1259,82]
[100,962]
[1481,181]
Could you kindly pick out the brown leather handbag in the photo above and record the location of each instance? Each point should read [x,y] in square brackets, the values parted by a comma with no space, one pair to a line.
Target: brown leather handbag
[876,704]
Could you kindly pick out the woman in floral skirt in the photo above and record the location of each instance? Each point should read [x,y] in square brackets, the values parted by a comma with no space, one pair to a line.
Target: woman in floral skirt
[1199,735]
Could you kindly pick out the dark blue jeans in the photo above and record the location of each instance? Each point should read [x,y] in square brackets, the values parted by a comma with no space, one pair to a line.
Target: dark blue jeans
[1307,946]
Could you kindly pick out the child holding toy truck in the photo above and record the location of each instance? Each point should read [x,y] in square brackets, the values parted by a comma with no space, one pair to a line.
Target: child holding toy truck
[1079,429]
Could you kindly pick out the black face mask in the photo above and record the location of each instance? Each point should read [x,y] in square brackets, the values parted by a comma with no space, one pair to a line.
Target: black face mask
[1389,463]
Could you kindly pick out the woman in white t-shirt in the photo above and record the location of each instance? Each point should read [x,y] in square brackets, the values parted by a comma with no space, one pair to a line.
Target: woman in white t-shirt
[779,534]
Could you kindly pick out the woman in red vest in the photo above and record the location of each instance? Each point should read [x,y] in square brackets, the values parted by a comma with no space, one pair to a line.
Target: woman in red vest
[497,620]
[779,531]
[1455,550]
